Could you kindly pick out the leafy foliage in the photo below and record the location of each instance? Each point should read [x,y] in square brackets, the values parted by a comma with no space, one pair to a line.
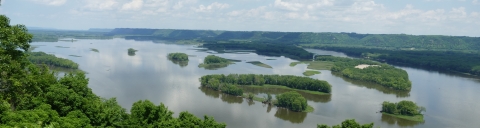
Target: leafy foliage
[268,49]
[212,59]
[32,96]
[350,123]
[404,107]
[383,74]
[131,51]
[292,100]
[439,60]
[51,60]
[297,82]
[178,56]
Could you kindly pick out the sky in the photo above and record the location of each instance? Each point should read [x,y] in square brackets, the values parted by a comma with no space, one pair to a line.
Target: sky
[416,17]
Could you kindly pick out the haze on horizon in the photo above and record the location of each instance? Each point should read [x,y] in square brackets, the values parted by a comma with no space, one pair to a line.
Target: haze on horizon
[418,17]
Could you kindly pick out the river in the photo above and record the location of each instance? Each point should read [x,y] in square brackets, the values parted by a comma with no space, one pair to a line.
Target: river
[450,100]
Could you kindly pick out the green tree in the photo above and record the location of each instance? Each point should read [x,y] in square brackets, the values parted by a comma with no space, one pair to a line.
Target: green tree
[349,123]
[292,100]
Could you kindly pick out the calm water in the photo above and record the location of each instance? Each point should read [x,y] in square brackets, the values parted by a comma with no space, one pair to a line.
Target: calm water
[450,100]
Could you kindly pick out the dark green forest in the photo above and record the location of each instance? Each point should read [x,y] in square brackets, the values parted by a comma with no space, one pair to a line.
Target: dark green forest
[427,51]
[269,49]
[380,73]
[342,39]
[32,96]
[50,60]
[440,60]
[57,35]
[296,82]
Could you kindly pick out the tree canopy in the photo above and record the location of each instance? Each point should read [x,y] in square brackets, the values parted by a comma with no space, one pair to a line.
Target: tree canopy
[178,56]
[403,107]
[296,82]
[32,96]
[380,73]
[350,123]
[292,100]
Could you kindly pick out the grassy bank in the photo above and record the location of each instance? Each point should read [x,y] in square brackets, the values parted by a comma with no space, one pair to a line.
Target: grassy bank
[418,118]
[316,65]
[283,87]
[258,63]
[311,72]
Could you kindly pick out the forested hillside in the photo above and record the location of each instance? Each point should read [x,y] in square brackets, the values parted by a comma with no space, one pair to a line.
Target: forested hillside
[382,41]
[444,61]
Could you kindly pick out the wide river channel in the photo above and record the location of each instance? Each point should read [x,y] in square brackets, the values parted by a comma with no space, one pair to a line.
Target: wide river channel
[450,100]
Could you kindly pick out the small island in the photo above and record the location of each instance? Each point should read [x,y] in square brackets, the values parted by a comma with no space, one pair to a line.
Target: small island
[214,62]
[131,52]
[293,101]
[404,109]
[260,64]
[310,72]
[370,71]
[178,56]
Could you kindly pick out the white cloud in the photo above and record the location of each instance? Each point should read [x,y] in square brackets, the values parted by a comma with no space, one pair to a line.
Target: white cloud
[298,5]
[99,5]
[475,2]
[51,2]
[211,7]
[180,4]
[133,5]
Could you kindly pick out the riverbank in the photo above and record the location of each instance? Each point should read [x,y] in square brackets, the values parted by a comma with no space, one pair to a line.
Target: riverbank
[417,118]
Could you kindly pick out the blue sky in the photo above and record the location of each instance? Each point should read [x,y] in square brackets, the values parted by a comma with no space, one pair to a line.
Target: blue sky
[418,17]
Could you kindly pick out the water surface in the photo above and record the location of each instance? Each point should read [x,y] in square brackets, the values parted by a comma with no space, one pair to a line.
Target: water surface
[450,100]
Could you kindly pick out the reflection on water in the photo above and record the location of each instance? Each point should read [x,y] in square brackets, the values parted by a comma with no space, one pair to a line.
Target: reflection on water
[451,101]
[276,91]
[294,117]
[225,97]
[392,120]
[371,85]
[214,66]
[181,63]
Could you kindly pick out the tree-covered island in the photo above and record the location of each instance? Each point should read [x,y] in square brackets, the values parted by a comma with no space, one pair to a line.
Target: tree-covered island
[215,62]
[404,109]
[370,71]
[131,51]
[178,56]
[291,100]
